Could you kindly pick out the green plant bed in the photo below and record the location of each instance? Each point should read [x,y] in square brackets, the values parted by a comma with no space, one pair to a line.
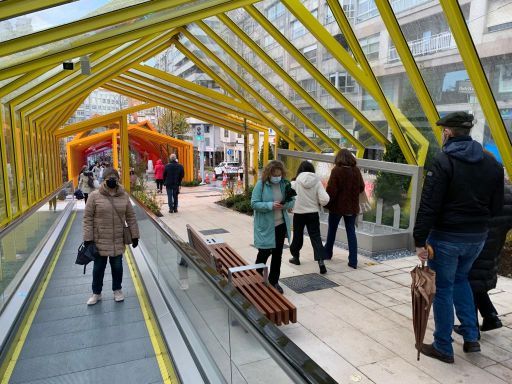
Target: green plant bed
[149,201]
[193,183]
[238,202]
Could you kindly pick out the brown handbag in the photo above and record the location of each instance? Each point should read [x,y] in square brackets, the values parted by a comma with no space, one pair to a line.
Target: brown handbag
[127,234]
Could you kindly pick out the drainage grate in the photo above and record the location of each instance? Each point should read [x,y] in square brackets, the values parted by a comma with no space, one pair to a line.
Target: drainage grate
[307,283]
[215,231]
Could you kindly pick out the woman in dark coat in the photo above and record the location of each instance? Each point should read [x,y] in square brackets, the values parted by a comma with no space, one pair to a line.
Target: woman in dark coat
[344,186]
[484,273]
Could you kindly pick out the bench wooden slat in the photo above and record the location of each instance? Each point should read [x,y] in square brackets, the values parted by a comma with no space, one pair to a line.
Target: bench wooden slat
[265,298]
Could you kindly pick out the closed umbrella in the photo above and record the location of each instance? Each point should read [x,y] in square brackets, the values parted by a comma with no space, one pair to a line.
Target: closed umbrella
[423,289]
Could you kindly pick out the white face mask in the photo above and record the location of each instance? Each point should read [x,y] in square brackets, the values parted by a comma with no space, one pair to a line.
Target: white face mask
[275,179]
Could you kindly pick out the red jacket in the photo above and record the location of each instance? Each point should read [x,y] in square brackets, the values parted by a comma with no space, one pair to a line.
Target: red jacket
[344,187]
[159,170]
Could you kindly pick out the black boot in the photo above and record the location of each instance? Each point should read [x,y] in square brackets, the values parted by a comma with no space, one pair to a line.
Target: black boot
[294,260]
[323,270]
[490,323]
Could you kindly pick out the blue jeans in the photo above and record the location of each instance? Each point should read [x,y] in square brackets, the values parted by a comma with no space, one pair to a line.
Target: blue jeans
[98,271]
[172,197]
[350,227]
[452,262]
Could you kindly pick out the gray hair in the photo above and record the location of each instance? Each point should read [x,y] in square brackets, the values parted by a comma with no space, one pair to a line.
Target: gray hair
[172,157]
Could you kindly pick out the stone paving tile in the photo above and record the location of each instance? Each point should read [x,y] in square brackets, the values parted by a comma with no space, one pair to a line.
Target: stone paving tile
[389,273]
[376,268]
[396,370]
[382,299]
[359,298]
[501,371]
[380,284]
[402,279]
[401,294]
[360,275]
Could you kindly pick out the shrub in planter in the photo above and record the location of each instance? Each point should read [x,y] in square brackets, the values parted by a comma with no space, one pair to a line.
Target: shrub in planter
[193,183]
[149,201]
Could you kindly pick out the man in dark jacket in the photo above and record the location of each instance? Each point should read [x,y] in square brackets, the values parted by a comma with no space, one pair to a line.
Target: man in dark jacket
[173,174]
[462,190]
[483,275]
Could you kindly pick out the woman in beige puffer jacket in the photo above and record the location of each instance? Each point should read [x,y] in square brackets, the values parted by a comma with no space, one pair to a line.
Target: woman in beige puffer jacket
[104,226]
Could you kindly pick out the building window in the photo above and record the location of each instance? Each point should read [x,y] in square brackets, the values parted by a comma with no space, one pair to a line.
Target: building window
[206,128]
[239,135]
[505,79]
[310,53]
[268,40]
[275,10]
[456,87]
[226,133]
[343,82]
[366,9]
[309,85]
[298,29]
[369,102]
[207,141]
[370,46]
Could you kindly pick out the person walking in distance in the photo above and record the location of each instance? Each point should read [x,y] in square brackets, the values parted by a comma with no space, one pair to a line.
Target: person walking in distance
[173,174]
[271,220]
[105,215]
[462,190]
[310,196]
[86,182]
[159,175]
[483,275]
[344,186]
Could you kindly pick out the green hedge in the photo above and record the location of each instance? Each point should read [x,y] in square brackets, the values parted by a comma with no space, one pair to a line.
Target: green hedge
[149,201]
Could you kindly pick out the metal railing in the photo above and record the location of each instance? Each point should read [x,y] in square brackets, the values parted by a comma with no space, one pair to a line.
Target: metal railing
[426,46]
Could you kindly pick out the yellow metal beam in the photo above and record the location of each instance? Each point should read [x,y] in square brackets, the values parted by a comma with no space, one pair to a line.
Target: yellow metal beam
[245,86]
[225,85]
[186,109]
[265,148]
[364,78]
[72,85]
[114,70]
[135,79]
[14,8]
[305,95]
[267,85]
[3,161]
[189,85]
[89,24]
[117,36]
[89,124]
[417,82]
[125,153]
[476,74]
[311,69]
[255,154]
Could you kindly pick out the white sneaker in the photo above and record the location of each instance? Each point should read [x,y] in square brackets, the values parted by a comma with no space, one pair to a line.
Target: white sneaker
[94,299]
[118,295]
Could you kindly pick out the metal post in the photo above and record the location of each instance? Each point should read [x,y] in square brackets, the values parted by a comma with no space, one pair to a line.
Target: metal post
[200,147]
[246,157]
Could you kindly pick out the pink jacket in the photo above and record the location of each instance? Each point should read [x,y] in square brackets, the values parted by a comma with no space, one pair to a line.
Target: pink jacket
[159,170]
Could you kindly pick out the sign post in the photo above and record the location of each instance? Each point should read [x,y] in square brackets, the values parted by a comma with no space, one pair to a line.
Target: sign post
[200,148]
[246,157]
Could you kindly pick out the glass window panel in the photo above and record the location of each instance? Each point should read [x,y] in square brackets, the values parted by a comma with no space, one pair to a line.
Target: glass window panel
[62,14]
[10,159]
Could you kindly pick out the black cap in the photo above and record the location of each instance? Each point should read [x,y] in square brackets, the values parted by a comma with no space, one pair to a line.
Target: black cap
[457,119]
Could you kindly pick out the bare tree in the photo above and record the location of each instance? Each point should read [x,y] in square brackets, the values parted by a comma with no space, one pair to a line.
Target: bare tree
[173,124]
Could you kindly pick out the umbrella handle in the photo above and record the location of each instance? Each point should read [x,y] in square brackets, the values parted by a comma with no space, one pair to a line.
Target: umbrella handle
[430,252]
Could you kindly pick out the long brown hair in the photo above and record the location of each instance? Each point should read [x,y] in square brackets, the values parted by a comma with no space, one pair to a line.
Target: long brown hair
[270,167]
[345,158]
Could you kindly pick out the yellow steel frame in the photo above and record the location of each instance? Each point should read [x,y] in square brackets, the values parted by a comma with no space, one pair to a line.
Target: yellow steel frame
[364,78]
[121,35]
[233,92]
[125,152]
[3,159]
[269,87]
[243,85]
[15,8]
[479,80]
[417,82]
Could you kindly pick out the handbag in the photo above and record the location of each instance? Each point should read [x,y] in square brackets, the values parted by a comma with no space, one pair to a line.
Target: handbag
[127,234]
[86,254]
[79,194]
[364,203]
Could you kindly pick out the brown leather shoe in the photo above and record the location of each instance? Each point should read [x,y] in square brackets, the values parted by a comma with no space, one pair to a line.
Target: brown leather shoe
[430,351]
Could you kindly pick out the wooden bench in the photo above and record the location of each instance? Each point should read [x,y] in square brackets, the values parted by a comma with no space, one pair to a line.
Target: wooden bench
[253,286]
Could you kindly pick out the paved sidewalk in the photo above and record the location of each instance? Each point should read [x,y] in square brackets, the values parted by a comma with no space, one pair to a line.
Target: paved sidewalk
[360,331]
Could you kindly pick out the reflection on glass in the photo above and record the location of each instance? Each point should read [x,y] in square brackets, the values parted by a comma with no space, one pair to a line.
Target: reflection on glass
[20,247]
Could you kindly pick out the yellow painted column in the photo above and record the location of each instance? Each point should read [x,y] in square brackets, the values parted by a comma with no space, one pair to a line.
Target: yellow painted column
[125,153]
[265,148]
[255,154]
[115,151]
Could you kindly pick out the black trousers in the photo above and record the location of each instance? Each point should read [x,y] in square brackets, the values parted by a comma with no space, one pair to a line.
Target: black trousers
[311,221]
[172,197]
[276,253]
[484,304]
[98,271]
[86,195]
[159,184]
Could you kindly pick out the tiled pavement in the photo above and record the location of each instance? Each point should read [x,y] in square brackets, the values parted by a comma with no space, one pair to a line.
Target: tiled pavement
[361,330]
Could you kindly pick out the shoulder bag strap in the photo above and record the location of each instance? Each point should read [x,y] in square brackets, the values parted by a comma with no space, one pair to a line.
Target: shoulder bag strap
[118,215]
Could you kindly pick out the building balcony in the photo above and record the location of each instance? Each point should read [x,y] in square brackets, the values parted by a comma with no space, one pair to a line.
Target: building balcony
[426,46]
[371,11]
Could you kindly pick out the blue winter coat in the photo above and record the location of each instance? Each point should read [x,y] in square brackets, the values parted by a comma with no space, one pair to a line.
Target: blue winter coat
[262,201]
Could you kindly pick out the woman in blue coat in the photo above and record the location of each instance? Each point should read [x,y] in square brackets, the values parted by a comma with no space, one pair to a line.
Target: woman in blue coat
[271,221]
